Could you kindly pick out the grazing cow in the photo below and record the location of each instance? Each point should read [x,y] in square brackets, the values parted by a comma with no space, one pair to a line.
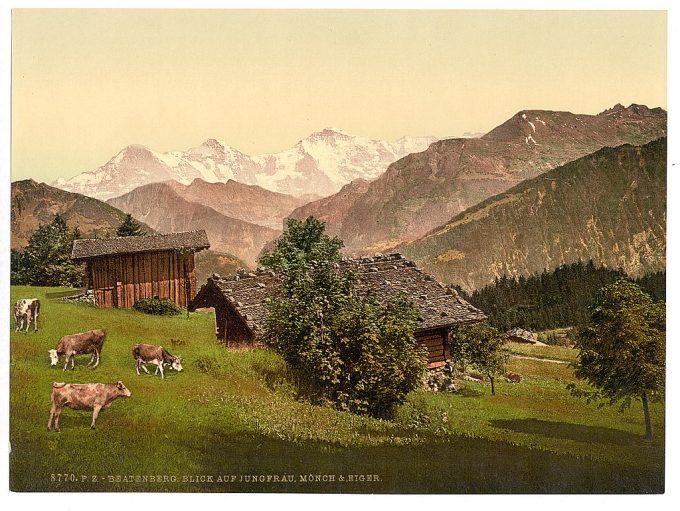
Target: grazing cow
[77,344]
[27,310]
[513,377]
[150,354]
[84,396]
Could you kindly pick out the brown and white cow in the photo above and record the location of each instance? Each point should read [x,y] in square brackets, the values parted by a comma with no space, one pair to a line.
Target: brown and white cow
[78,344]
[84,396]
[150,354]
[25,311]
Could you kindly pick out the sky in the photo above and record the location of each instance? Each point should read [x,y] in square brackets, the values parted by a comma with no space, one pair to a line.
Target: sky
[86,83]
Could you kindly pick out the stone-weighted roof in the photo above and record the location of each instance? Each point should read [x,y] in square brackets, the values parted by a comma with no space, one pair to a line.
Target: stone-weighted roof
[381,275]
[522,334]
[86,248]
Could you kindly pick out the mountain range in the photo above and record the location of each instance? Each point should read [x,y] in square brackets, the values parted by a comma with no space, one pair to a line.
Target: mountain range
[163,207]
[316,166]
[426,189]
[33,204]
[609,206]
[540,189]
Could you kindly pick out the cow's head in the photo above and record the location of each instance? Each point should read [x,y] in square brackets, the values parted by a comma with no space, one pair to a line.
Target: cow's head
[123,389]
[177,363]
[54,358]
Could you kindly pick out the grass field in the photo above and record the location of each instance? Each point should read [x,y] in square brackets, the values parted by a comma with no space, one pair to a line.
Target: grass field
[552,352]
[233,416]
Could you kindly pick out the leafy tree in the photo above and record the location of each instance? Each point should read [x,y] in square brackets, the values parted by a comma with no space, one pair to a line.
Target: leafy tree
[346,349]
[482,347]
[622,349]
[130,228]
[46,261]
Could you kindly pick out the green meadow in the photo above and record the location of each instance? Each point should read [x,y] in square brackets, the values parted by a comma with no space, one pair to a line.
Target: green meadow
[231,422]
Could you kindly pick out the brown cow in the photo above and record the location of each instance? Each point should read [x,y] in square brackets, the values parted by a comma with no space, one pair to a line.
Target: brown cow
[77,344]
[84,396]
[150,354]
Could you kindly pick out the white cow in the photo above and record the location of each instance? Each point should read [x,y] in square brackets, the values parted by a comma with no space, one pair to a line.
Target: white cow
[25,311]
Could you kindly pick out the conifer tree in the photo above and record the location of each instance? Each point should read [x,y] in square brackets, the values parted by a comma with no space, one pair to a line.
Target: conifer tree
[130,228]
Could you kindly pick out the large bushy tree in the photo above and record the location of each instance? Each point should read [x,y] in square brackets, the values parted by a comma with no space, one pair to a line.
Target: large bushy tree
[622,349]
[345,349]
[46,261]
[130,228]
[482,347]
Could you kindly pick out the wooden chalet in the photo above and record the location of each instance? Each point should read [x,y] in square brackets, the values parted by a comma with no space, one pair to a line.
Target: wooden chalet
[240,314]
[121,271]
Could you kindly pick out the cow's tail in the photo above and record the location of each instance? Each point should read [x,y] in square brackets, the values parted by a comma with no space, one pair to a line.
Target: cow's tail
[135,351]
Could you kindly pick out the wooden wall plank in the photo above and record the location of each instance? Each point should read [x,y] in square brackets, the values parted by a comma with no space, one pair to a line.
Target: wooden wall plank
[142,275]
[181,266]
[192,277]
[154,274]
[152,265]
[163,292]
[129,282]
[147,276]
[171,276]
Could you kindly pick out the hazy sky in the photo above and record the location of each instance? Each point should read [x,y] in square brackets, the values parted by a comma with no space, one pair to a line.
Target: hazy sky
[86,83]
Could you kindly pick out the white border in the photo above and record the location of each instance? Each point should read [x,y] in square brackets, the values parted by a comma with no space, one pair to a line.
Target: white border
[331,502]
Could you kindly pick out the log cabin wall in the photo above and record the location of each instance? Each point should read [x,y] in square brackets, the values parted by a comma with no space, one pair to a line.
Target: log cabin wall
[437,344]
[229,327]
[121,280]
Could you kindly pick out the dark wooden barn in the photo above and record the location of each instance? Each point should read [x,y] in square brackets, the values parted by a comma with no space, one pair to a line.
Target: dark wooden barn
[238,301]
[121,271]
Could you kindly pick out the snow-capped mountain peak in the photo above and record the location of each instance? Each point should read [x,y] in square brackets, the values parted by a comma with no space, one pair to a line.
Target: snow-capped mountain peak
[320,164]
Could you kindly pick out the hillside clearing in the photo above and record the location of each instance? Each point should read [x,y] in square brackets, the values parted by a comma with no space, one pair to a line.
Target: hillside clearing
[234,413]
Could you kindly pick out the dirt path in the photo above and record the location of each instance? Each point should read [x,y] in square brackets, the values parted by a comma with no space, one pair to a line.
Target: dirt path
[552,360]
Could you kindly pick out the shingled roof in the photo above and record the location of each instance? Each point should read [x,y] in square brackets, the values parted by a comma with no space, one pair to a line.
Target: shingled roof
[381,275]
[87,248]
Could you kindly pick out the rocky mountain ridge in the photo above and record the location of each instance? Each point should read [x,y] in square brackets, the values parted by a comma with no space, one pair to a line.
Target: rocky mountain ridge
[34,204]
[609,206]
[424,190]
[165,210]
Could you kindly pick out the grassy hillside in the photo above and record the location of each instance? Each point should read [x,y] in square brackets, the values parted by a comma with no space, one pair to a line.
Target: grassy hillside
[235,413]
[609,206]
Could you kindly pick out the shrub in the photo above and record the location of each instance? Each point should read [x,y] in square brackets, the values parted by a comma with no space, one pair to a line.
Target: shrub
[345,350]
[157,306]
